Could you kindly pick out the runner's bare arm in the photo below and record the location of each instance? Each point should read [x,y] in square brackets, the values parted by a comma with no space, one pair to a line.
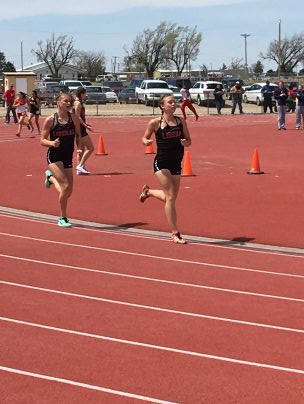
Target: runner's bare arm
[45,134]
[151,128]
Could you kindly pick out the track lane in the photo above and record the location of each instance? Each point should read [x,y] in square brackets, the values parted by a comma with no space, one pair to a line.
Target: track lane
[134,368]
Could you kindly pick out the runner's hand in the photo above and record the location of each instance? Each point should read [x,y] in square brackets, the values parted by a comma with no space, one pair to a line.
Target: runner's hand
[56,142]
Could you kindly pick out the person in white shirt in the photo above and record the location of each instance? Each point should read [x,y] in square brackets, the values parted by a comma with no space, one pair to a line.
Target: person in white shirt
[187,103]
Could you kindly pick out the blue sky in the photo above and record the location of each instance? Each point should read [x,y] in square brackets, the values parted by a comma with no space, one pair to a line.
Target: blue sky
[98,25]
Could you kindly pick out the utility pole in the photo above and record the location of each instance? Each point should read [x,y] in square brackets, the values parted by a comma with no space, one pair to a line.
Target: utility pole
[21,56]
[280,55]
[246,64]
[114,63]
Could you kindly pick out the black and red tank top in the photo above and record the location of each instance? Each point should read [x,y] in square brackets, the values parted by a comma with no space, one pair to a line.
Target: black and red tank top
[168,139]
[64,131]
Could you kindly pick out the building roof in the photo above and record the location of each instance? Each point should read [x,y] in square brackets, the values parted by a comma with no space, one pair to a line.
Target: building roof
[36,67]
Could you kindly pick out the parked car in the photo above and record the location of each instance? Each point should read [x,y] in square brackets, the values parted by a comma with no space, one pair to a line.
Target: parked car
[95,95]
[48,96]
[104,77]
[202,92]
[229,82]
[72,84]
[115,85]
[127,95]
[178,82]
[47,77]
[150,91]
[110,95]
[176,93]
[49,84]
[135,83]
[85,83]
[253,93]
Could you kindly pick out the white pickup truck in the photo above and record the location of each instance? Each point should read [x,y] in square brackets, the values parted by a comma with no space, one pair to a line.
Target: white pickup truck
[150,91]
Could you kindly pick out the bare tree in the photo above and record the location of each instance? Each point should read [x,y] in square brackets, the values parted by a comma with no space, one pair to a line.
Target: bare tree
[57,52]
[92,63]
[236,64]
[149,46]
[288,53]
[183,46]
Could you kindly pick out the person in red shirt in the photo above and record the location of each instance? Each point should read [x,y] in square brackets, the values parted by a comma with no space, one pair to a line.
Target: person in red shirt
[9,98]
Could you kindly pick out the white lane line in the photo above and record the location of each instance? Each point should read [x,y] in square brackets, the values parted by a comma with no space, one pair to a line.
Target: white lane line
[111,250]
[159,347]
[84,385]
[156,235]
[144,278]
[152,308]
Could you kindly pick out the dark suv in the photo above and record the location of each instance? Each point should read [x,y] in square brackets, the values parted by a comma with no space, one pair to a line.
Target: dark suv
[178,82]
[229,82]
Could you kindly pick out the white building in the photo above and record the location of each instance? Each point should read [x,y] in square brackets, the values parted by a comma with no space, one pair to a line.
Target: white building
[67,71]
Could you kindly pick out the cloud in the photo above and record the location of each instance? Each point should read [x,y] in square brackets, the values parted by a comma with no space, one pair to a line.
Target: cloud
[31,8]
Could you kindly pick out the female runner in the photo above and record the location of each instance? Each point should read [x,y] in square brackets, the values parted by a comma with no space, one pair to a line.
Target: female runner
[172,136]
[87,144]
[35,105]
[58,134]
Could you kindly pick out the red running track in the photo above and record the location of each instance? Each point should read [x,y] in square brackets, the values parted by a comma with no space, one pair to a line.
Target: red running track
[100,316]
[221,201]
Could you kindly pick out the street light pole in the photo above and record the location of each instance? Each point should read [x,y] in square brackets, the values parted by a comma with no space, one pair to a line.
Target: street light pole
[280,57]
[246,64]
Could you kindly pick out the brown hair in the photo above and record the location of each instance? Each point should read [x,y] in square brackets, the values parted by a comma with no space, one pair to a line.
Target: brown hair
[64,93]
[79,91]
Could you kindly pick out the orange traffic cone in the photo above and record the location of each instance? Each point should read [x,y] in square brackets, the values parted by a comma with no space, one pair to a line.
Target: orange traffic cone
[187,168]
[149,149]
[255,164]
[101,149]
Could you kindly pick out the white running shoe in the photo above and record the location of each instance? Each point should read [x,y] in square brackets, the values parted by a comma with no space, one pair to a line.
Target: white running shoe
[82,170]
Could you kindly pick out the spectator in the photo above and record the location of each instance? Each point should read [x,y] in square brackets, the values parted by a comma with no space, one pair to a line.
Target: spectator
[9,97]
[218,97]
[281,95]
[291,100]
[267,92]
[237,92]
[300,107]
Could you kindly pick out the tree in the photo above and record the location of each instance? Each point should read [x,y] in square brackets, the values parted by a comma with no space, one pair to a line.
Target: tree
[236,64]
[257,68]
[183,46]
[92,63]
[148,47]
[224,67]
[4,65]
[57,52]
[288,53]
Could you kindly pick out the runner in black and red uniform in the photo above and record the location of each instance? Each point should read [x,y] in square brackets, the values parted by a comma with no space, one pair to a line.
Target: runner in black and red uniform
[172,135]
[87,144]
[58,134]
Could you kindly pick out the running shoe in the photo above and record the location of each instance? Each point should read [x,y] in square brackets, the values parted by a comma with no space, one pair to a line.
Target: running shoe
[47,182]
[177,238]
[64,222]
[82,170]
[144,193]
